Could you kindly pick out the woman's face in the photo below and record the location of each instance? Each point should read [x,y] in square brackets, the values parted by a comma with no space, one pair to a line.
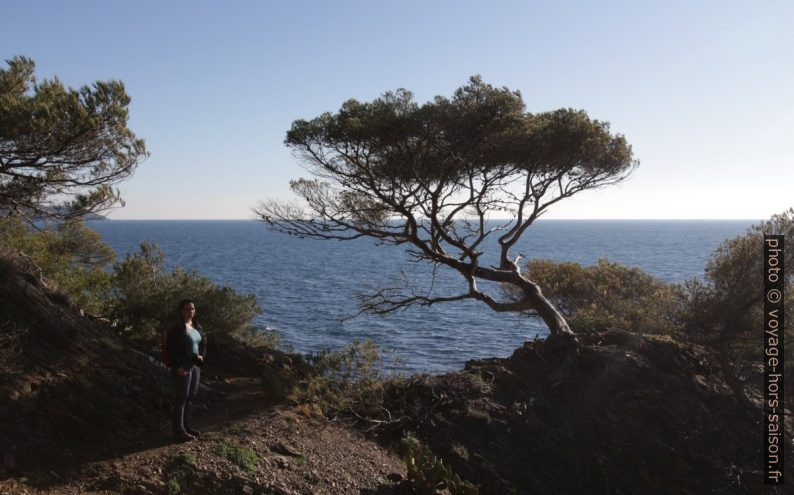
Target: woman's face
[188,311]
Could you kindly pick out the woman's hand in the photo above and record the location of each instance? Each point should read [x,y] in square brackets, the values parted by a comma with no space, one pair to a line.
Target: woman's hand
[181,371]
[200,358]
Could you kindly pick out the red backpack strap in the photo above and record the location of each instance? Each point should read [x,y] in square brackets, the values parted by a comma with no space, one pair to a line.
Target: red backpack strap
[164,348]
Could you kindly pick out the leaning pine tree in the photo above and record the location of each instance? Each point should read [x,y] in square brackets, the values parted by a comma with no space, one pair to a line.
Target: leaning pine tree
[430,176]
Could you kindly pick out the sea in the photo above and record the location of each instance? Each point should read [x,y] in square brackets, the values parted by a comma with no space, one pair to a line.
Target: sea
[309,289]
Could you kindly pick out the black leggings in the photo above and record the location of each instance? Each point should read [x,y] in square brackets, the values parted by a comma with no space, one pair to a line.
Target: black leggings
[185,388]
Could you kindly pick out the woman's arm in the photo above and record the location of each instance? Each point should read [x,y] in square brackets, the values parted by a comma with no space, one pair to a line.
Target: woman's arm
[203,346]
[172,346]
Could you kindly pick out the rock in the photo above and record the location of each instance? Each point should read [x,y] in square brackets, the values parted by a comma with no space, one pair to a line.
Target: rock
[280,448]
[313,477]
[280,490]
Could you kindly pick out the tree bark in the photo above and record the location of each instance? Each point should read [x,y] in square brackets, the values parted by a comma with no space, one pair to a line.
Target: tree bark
[558,326]
[561,338]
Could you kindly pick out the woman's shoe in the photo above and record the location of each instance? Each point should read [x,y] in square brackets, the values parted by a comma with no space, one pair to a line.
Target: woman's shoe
[184,436]
[193,432]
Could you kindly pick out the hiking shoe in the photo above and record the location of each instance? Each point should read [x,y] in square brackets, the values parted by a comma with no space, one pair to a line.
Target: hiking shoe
[184,436]
[193,432]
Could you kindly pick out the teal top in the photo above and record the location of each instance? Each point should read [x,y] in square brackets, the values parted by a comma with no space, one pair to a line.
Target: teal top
[193,338]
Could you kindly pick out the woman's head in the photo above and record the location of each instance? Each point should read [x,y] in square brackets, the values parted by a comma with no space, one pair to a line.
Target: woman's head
[187,308]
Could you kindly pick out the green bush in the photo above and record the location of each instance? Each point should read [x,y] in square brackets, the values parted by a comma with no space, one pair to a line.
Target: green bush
[345,380]
[145,296]
[188,459]
[256,337]
[728,303]
[609,296]
[245,458]
[173,487]
[182,472]
[725,309]
[356,362]
[428,475]
[68,256]
[139,295]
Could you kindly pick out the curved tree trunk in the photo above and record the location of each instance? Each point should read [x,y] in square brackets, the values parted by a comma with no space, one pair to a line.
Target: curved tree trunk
[532,298]
[558,326]
[561,338]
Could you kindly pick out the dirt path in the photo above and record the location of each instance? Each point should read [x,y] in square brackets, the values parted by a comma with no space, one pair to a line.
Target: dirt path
[248,445]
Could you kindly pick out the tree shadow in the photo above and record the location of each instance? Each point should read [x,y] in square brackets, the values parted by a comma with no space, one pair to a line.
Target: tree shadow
[77,421]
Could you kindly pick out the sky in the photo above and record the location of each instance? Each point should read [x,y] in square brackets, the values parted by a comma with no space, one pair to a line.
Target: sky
[701,90]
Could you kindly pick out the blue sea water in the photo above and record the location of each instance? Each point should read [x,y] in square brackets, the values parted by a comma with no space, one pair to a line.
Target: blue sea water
[308,288]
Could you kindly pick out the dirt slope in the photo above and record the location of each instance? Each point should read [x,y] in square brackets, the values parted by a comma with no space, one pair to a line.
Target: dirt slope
[85,411]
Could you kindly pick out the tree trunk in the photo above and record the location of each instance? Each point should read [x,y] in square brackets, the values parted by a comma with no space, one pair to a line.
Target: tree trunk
[559,331]
[561,345]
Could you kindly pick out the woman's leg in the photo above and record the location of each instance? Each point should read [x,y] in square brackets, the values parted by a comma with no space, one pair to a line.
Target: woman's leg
[193,376]
[181,385]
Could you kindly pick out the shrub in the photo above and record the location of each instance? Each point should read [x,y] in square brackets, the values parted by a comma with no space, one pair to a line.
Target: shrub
[428,475]
[188,459]
[609,296]
[68,256]
[356,362]
[139,296]
[182,472]
[255,337]
[245,458]
[729,301]
[345,380]
[725,310]
[145,296]
[173,487]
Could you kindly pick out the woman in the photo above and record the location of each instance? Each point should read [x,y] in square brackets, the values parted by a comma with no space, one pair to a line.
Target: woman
[185,350]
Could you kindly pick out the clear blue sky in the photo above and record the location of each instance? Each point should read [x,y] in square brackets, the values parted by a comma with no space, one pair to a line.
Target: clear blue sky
[703,90]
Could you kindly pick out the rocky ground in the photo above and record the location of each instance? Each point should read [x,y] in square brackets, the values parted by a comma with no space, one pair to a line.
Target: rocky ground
[247,446]
[639,415]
